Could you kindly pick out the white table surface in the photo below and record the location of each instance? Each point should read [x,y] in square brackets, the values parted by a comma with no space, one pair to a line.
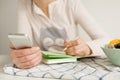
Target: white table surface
[5,59]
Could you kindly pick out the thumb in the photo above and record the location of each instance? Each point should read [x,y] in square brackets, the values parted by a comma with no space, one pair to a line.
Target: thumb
[11,46]
[66,42]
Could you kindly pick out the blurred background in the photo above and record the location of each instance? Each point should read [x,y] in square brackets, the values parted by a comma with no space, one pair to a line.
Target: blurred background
[105,12]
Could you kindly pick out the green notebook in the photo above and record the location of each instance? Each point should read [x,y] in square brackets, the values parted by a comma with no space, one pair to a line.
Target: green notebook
[52,57]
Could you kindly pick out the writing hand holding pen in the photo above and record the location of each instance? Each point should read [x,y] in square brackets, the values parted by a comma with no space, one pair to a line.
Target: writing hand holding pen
[77,47]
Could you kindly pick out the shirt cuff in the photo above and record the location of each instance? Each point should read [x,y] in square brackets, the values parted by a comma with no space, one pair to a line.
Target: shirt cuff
[96,45]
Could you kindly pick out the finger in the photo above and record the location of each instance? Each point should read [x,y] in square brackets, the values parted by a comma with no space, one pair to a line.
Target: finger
[81,50]
[29,57]
[29,63]
[69,43]
[77,42]
[76,50]
[32,63]
[11,46]
[73,42]
[73,50]
[25,52]
[70,51]
[13,57]
[66,42]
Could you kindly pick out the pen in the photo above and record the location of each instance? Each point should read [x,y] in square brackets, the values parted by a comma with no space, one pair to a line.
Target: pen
[73,42]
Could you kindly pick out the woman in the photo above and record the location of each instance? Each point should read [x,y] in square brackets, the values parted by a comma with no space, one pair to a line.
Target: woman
[52,24]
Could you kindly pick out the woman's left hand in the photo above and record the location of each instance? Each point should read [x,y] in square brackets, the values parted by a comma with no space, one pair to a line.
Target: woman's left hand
[77,47]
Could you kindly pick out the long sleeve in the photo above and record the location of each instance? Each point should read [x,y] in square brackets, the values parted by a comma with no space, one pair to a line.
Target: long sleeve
[87,22]
[23,22]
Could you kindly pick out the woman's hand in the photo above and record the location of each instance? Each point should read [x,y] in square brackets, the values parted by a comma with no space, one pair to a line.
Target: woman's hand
[77,47]
[26,58]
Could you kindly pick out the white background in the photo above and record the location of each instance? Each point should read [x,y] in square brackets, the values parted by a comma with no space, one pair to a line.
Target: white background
[105,12]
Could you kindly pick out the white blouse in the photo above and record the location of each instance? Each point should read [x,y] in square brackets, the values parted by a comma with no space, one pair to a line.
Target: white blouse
[64,16]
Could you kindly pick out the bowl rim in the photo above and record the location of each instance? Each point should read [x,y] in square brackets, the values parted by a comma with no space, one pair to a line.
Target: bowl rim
[110,48]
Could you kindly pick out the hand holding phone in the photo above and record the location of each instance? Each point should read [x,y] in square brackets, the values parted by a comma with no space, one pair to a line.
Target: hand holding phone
[24,58]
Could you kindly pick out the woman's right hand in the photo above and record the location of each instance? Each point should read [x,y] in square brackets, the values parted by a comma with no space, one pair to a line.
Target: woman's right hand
[26,58]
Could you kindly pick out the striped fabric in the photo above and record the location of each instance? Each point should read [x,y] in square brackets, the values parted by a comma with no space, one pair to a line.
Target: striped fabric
[84,69]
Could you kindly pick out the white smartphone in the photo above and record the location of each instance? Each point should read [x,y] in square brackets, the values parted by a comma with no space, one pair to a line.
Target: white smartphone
[20,40]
